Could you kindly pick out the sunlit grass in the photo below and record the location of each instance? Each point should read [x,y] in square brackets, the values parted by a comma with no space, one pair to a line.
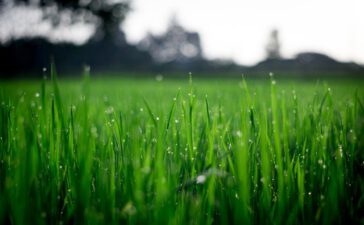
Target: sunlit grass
[177,152]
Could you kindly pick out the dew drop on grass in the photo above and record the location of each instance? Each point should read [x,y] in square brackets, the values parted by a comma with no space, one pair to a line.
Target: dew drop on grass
[87,68]
[109,110]
[341,150]
[238,133]
[201,179]
[159,77]
[262,180]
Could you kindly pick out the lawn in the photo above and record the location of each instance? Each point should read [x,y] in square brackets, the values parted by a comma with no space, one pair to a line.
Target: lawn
[181,151]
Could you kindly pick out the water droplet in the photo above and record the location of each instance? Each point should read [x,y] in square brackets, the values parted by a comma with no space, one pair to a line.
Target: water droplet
[238,133]
[201,179]
[109,110]
[87,68]
[159,77]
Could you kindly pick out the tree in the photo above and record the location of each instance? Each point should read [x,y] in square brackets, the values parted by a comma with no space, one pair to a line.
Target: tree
[176,44]
[273,46]
[107,14]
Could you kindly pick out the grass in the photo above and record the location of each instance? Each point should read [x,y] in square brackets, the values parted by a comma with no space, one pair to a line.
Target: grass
[118,151]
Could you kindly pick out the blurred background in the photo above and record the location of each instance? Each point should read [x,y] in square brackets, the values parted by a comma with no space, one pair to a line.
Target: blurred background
[206,37]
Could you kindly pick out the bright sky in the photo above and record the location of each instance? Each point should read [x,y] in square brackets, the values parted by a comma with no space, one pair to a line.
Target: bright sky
[239,29]
[28,22]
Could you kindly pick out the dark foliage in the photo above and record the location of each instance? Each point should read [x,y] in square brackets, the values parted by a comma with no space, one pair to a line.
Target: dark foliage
[29,56]
[175,45]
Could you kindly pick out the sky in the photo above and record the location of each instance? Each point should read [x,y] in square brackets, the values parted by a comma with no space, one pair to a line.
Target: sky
[239,29]
[28,22]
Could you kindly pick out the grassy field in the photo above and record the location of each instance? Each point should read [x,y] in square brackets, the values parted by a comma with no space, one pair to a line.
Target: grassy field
[116,151]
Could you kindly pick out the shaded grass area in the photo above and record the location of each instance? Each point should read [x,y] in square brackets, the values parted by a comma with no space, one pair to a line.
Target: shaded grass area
[111,151]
